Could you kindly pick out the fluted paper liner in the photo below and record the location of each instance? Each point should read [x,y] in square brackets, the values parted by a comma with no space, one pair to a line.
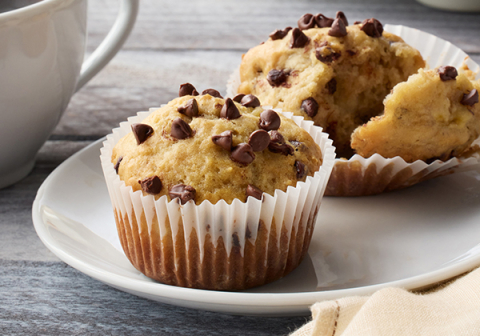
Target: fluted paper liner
[217,246]
[359,176]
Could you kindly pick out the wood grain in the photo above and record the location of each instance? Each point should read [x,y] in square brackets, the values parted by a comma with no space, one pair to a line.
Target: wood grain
[227,25]
[173,42]
[202,42]
[51,298]
[137,80]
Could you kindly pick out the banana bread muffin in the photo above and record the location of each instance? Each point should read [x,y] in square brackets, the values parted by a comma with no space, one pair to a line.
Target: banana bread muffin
[216,194]
[334,74]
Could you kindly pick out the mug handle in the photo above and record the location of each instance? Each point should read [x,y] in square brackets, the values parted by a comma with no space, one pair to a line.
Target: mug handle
[111,44]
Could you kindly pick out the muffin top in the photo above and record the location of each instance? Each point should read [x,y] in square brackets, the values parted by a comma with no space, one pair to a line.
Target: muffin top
[204,147]
[334,74]
[433,115]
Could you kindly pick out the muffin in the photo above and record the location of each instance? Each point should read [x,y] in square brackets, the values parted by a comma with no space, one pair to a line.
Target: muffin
[434,115]
[200,187]
[367,172]
[326,71]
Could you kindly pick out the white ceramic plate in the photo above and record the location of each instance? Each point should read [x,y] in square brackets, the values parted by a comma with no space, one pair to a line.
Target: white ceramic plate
[409,238]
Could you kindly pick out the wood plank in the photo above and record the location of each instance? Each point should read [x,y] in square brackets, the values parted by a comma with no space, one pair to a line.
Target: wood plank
[51,298]
[227,25]
[138,79]
[18,239]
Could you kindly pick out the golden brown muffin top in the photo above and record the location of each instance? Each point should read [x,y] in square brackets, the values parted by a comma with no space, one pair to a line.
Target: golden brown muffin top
[208,148]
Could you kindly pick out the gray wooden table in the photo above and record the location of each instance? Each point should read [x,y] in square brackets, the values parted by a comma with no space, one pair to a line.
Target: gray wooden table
[173,42]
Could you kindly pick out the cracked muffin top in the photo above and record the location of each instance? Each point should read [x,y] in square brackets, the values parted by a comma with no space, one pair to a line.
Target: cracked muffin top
[334,74]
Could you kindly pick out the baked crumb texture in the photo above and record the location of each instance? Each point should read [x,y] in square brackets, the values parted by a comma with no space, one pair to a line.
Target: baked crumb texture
[425,118]
[337,76]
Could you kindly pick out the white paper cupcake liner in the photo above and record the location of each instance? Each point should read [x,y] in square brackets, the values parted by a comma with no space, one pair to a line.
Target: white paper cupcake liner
[174,243]
[359,176]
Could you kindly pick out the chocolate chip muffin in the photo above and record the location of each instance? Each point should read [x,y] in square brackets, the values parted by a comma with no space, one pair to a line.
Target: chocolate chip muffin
[324,70]
[207,148]
[216,193]
[433,115]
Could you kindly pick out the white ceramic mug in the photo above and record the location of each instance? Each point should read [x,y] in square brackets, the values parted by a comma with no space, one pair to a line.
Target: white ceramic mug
[42,47]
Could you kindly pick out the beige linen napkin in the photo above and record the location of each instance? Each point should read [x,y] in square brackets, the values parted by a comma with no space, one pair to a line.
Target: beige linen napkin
[453,309]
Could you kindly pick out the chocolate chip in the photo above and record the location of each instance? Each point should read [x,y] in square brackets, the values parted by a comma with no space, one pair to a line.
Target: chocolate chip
[187,89]
[259,140]
[341,16]
[327,55]
[310,107]
[243,154]
[276,77]
[323,21]
[300,168]
[277,144]
[229,110]
[331,86]
[212,92]
[269,120]
[357,22]
[280,34]
[180,129]
[470,99]
[184,192]
[351,52]
[254,192]
[447,73]
[223,140]
[141,132]
[117,165]
[338,28]
[190,109]
[238,97]
[250,101]
[151,185]
[299,39]
[372,27]
[307,21]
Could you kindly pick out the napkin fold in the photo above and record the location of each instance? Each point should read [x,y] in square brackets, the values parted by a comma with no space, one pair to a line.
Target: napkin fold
[453,309]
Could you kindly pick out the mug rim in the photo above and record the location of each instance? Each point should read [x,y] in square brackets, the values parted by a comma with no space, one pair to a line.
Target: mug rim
[32,9]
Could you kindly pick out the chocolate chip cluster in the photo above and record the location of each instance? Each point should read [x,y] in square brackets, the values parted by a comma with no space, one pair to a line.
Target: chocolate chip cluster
[267,136]
[180,130]
[323,51]
[338,25]
[338,28]
[259,140]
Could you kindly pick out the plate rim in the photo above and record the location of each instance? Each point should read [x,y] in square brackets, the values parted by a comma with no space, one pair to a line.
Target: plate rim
[287,302]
